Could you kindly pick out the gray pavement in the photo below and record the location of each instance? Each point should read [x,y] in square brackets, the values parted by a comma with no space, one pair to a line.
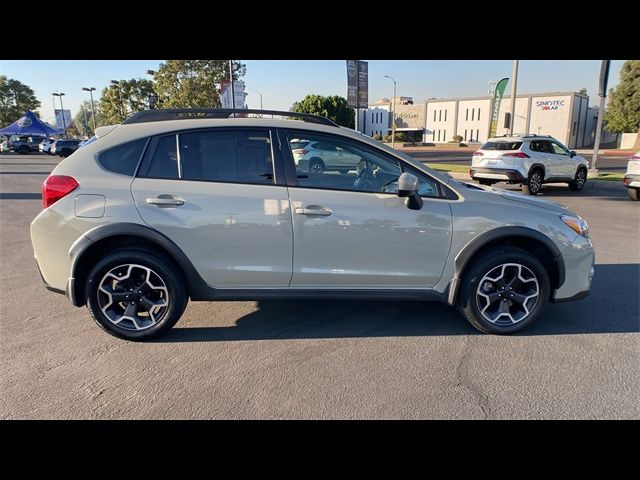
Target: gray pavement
[335,359]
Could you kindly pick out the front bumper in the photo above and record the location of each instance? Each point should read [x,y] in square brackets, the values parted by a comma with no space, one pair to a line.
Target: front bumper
[579,259]
[632,180]
[501,174]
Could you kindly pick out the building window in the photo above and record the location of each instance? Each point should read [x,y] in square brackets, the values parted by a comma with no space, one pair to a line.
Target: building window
[465,134]
[439,115]
[434,115]
[477,134]
[473,111]
[445,115]
[438,135]
[575,127]
[466,118]
[444,136]
[478,113]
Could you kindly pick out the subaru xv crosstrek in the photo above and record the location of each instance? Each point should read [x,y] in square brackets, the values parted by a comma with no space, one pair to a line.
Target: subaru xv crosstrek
[530,160]
[175,205]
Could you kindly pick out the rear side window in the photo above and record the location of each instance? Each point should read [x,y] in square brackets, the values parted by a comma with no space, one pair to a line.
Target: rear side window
[501,146]
[242,156]
[161,160]
[122,159]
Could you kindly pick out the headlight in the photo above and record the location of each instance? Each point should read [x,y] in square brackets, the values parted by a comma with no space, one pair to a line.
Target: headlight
[577,224]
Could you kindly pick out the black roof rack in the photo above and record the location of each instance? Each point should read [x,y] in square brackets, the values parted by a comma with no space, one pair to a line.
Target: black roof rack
[198,113]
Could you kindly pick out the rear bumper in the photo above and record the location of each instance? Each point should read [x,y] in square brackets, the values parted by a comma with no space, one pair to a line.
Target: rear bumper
[502,174]
[632,180]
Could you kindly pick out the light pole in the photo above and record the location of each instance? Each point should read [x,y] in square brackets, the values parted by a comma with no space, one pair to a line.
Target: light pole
[393,113]
[120,109]
[64,122]
[93,110]
[256,91]
[233,92]
[602,92]
[514,86]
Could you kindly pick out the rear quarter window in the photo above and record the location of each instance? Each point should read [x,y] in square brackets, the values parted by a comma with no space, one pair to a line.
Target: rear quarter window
[502,146]
[123,159]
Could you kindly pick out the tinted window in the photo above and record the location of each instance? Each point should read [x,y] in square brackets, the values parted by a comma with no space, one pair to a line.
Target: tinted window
[501,145]
[227,156]
[542,146]
[123,158]
[162,160]
[558,149]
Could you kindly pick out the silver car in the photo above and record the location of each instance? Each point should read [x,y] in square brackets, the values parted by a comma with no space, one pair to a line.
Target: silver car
[171,206]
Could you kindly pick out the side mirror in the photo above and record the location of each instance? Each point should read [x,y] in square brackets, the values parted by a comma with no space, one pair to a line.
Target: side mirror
[408,188]
[572,153]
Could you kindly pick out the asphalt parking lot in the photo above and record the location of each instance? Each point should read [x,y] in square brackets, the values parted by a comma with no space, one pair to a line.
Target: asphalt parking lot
[329,359]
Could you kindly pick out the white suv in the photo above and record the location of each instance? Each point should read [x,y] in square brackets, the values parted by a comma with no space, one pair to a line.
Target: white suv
[530,160]
[316,157]
[632,177]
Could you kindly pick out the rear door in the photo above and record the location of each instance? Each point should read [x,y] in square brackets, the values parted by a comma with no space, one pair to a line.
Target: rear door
[542,154]
[221,197]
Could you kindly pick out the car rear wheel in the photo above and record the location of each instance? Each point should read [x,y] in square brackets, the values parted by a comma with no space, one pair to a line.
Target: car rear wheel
[316,166]
[504,291]
[533,183]
[634,193]
[23,149]
[579,182]
[135,294]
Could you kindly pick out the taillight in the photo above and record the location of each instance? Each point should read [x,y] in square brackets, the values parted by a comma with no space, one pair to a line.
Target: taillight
[634,157]
[55,187]
[516,154]
[478,153]
[301,151]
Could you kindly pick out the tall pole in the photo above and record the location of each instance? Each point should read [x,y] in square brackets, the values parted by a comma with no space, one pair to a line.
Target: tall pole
[93,110]
[233,92]
[393,113]
[514,86]
[604,78]
[53,97]
[64,122]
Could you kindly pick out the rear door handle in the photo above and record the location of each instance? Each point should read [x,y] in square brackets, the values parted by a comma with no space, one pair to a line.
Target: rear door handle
[165,200]
[314,210]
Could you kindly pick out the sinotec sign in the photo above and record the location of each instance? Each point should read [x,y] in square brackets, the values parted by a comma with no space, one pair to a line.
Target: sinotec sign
[550,104]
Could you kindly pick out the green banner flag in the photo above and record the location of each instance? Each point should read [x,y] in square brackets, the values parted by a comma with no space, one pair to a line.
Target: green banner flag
[498,93]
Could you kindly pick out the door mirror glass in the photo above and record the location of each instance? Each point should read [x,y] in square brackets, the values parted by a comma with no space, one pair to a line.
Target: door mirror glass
[572,153]
[408,185]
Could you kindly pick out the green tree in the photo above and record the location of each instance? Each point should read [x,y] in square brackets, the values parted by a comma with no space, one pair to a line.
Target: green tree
[124,99]
[15,99]
[193,83]
[84,113]
[334,108]
[623,111]
[583,91]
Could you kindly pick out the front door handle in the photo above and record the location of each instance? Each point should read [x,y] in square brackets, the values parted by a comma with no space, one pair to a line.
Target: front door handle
[165,201]
[314,210]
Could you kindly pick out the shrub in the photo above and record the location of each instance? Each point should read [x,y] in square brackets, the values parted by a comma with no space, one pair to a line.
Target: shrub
[457,138]
[377,137]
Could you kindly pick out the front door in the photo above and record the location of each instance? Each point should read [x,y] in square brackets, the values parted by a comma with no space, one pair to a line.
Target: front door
[351,230]
[215,193]
[566,164]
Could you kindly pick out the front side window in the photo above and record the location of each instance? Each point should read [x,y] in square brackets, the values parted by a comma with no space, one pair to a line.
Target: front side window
[354,168]
[559,149]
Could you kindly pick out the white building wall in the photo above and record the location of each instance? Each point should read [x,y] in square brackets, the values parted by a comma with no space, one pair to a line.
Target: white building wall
[377,120]
[474,119]
[440,122]
[520,122]
[550,116]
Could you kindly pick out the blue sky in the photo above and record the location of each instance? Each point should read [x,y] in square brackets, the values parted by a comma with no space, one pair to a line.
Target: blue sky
[282,82]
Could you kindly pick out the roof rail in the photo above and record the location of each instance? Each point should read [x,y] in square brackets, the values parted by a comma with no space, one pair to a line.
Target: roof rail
[160,115]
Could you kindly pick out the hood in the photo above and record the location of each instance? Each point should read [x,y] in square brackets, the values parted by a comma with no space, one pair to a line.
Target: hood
[517,197]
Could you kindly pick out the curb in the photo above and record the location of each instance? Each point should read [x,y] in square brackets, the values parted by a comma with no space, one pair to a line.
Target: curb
[595,184]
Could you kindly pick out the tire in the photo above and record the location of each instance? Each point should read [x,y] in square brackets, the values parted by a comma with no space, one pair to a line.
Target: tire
[316,166]
[579,181]
[533,185]
[485,182]
[165,281]
[634,193]
[473,303]
[23,150]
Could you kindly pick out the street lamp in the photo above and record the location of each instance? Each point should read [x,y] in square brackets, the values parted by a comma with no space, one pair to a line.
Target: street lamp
[93,110]
[256,91]
[393,113]
[64,123]
[116,82]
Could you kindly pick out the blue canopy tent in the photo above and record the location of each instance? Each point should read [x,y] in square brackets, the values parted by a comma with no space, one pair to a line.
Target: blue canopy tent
[29,126]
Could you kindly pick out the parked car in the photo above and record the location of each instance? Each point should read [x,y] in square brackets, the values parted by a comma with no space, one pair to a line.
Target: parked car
[45,146]
[4,146]
[165,208]
[65,147]
[25,144]
[530,160]
[632,177]
[316,157]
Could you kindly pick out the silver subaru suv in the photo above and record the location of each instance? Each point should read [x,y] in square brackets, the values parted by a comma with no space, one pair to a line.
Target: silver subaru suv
[194,204]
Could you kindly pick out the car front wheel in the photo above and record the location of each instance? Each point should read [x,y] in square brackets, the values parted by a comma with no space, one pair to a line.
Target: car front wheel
[579,181]
[135,294]
[504,291]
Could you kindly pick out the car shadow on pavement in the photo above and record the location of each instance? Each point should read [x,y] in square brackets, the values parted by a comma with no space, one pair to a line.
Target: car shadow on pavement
[613,306]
